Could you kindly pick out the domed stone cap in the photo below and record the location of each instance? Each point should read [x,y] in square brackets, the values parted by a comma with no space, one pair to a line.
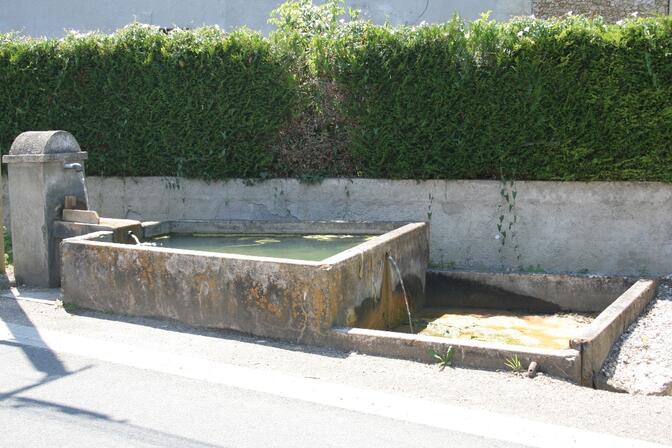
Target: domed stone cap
[44,142]
[44,146]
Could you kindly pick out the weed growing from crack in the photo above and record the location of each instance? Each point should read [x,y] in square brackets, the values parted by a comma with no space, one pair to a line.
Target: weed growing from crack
[443,361]
[514,364]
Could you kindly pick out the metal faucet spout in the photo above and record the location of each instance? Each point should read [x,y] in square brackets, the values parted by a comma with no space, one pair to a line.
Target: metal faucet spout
[73,166]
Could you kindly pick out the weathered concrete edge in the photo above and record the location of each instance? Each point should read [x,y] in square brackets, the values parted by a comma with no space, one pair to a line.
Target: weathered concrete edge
[596,339]
[101,239]
[382,239]
[564,364]
[39,158]
[389,231]
[271,226]
[104,236]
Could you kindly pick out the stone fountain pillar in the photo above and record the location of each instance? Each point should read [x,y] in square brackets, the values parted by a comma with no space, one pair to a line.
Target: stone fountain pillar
[42,169]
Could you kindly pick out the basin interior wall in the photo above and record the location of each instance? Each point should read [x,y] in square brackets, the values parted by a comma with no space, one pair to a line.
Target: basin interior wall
[612,302]
[285,298]
[531,310]
[536,293]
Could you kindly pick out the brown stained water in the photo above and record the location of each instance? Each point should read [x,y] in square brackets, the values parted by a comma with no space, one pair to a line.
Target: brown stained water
[530,330]
[297,247]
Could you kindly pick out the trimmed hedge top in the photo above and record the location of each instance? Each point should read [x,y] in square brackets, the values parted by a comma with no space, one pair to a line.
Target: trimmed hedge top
[570,99]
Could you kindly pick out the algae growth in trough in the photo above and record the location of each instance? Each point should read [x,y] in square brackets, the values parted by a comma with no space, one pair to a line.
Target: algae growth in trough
[507,327]
[297,247]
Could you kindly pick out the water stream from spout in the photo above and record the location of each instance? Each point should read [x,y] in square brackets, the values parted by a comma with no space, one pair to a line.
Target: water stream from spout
[82,180]
[134,237]
[403,289]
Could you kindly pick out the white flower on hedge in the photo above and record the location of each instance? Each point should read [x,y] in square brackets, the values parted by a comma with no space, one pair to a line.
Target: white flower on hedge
[498,236]
[79,35]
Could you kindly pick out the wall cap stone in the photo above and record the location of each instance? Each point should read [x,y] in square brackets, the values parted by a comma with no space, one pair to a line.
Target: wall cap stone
[44,142]
[41,158]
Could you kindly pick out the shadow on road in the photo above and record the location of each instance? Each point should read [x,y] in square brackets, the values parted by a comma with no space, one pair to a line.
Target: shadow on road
[46,361]
[76,417]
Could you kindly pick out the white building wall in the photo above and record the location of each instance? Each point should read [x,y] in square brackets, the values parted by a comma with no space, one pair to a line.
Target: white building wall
[51,17]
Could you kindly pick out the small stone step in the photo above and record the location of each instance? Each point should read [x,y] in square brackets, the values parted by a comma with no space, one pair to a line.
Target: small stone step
[83,216]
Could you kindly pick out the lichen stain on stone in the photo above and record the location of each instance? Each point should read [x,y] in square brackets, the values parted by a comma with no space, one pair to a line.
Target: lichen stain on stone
[204,283]
[298,313]
[260,295]
[144,269]
[371,313]
[319,306]
[253,296]
[310,309]
[351,317]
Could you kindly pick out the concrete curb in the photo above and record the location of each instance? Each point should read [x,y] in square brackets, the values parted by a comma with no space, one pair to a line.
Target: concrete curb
[564,364]
[596,340]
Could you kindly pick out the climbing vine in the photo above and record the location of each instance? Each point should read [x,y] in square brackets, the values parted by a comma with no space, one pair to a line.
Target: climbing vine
[507,232]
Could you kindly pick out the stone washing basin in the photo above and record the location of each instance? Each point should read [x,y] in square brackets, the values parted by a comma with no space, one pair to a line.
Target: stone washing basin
[264,295]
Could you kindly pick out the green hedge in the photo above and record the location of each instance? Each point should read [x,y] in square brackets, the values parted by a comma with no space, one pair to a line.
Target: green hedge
[570,99]
[146,103]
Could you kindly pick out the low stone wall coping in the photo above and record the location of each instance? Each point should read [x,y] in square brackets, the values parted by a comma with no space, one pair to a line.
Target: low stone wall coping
[41,158]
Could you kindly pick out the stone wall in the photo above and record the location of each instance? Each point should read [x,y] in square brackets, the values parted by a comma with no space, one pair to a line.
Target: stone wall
[599,227]
[612,10]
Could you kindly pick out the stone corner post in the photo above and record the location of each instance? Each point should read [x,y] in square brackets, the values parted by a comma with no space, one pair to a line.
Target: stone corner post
[42,168]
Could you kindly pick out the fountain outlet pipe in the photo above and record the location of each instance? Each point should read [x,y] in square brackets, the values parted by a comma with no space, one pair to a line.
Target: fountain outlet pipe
[79,169]
[73,166]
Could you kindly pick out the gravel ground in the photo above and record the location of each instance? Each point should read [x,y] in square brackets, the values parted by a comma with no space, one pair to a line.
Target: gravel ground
[641,360]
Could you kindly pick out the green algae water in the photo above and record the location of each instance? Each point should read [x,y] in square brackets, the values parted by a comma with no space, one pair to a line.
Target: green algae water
[296,247]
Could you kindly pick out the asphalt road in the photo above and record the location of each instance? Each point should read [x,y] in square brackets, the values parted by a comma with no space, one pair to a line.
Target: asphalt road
[96,380]
[70,401]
